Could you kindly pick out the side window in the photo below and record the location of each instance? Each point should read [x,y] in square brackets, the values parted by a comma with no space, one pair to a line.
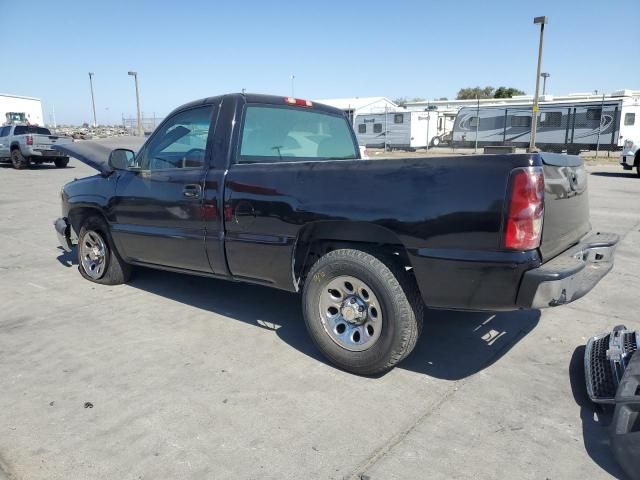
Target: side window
[550,119]
[377,128]
[629,119]
[290,134]
[5,130]
[181,142]
[521,121]
[362,128]
[473,122]
[594,114]
[398,118]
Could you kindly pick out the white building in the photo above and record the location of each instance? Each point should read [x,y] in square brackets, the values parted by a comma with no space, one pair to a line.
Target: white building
[16,108]
[360,105]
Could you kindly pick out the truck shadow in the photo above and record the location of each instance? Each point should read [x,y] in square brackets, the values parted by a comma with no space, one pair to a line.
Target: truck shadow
[615,174]
[595,420]
[453,345]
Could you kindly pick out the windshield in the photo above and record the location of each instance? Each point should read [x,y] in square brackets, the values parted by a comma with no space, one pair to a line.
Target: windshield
[25,129]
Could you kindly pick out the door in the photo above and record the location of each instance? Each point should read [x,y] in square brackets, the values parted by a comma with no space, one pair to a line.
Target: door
[4,138]
[157,212]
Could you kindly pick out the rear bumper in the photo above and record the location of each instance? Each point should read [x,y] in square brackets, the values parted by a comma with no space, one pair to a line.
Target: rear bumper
[65,233]
[570,275]
[503,281]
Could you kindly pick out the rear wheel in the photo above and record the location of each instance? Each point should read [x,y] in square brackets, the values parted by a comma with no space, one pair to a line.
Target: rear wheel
[18,160]
[363,314]
[61,162]
[98,260]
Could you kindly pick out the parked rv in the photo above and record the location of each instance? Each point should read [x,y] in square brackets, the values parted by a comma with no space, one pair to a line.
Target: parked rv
[402,130]
[572,126]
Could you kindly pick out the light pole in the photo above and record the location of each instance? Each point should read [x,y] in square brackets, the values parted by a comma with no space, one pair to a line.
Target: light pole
[293,77]
[544,76]
[534,117]
[140,129]
[93,102]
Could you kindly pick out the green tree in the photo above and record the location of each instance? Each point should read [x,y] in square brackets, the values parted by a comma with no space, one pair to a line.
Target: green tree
[475,92]
[400,101]
[418,99]
[507,92]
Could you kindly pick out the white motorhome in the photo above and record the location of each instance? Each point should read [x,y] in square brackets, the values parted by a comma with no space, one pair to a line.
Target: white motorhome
[403,130]
[19,109]
[571,125]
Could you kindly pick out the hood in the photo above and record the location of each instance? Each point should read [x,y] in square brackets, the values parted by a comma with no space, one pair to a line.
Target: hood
[96,153]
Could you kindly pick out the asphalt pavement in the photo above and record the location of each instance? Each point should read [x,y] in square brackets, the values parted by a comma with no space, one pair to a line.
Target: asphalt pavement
[181,377]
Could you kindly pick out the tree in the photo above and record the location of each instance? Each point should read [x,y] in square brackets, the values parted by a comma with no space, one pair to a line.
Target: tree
[442,98]
[472,93]
[418,99]
[507,92]
[400,101]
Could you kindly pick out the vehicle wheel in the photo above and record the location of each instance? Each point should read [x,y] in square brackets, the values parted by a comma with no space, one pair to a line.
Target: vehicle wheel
[435,142]
[98,260]
[363,314]
[61,162]
[638,168]
[18,160]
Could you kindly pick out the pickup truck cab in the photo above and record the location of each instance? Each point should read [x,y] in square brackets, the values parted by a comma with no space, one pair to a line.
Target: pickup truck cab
[27,144]
[272,190]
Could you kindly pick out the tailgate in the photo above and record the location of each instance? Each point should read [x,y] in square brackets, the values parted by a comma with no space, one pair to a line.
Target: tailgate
[566,203]
[45,141]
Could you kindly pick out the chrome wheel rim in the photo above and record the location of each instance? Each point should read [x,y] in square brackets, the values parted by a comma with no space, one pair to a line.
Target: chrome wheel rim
[350,312]
[93,252]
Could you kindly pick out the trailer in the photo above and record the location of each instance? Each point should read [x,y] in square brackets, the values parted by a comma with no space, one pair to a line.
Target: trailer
[584,124]
[19,109]
[402,130]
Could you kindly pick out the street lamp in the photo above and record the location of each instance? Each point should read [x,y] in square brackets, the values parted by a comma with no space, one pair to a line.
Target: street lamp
[534,117]
[93,102]
[544,76]
[140,129]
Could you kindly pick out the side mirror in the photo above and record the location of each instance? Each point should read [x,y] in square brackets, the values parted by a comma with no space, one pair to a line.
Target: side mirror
[121,159]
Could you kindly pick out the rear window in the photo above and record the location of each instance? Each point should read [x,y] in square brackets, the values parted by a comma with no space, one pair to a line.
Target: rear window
[285,134]
[25,129]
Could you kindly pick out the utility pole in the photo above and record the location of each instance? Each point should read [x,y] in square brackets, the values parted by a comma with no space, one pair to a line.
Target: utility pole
[544,76]
[534,114]
[53,114]
[293,77]
[600,126]
[475,150]
[140,128]
[93,101]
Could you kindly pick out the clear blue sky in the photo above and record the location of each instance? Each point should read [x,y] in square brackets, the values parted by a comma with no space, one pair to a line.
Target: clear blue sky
[186,49]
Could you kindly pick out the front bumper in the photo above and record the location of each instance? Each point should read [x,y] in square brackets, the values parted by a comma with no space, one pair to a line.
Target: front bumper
[570,275]
[65,233]
[627,160]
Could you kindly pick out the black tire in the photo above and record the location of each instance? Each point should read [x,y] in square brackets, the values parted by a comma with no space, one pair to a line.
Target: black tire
[638,167]
[116,271]
[18,160]
[61,162]
[399,299]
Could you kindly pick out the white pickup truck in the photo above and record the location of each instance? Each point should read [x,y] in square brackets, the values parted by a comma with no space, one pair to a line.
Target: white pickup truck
[27,144]
[630,156]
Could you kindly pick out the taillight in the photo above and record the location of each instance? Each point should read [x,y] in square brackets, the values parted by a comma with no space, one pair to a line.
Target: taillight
[523,228]
[29,140]
[298,102]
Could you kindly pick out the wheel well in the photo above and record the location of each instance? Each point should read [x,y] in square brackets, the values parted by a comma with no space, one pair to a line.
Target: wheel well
[636,160]
[318,239]
[78,215]
[15,146]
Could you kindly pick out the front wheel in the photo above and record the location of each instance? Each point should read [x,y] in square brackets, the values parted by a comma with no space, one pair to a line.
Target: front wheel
[98,260]
[435,142]
[365,315]
[61,162]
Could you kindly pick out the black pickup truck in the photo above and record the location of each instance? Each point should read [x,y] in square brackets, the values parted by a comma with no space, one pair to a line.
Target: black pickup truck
[272,190]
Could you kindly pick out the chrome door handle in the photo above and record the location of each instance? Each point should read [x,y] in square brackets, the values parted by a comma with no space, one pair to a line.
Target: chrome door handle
[192,191]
